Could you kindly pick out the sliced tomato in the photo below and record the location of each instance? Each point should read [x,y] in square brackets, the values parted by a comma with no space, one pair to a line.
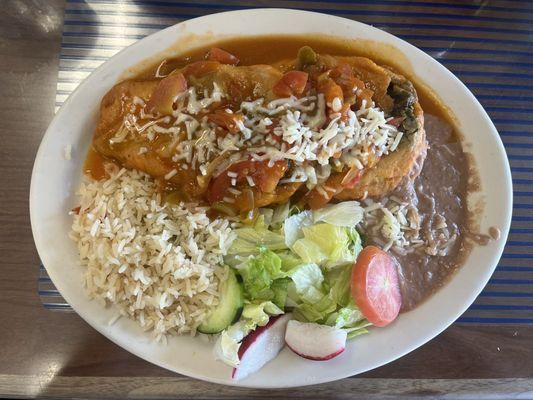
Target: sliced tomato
[225,120]
[265,177]
[330,90]
[376,287]
[164,94]
[292,83]
[344,77]
[222,56]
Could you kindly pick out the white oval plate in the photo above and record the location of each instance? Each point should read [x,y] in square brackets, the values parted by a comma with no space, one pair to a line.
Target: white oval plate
[54,181]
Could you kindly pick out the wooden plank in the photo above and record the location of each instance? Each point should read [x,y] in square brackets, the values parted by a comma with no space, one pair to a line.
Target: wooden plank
[183,388]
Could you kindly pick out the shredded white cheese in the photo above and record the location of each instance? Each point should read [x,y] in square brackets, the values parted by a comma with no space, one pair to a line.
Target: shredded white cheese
[299,135]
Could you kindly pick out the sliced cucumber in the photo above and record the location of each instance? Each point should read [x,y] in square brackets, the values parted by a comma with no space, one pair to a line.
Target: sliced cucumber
[228,309]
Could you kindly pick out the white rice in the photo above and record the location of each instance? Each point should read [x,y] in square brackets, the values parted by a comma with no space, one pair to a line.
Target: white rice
[160,264]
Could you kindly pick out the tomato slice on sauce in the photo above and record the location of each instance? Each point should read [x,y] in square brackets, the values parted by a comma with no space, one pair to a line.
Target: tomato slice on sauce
[222,56]
[265,177]
[292,83]
[376,287]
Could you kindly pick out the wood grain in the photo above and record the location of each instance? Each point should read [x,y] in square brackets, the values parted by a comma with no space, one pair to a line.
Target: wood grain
[53,354]
[183,388]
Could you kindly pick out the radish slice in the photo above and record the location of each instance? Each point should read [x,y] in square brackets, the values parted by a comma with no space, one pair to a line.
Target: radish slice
[261,346]
[314,341]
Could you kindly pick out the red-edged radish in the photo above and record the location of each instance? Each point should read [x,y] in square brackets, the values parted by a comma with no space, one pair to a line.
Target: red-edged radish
[314,341]
[260,346]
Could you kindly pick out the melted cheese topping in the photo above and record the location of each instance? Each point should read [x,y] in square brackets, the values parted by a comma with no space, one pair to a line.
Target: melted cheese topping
[294,129]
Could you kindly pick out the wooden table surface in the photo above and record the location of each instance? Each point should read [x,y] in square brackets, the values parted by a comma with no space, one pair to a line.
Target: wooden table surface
[54,354]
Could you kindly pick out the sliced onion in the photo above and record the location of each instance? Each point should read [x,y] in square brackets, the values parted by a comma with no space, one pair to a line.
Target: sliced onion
[351,178]
[217,163]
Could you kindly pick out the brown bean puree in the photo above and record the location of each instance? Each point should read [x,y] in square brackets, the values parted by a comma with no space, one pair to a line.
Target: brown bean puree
[439,193]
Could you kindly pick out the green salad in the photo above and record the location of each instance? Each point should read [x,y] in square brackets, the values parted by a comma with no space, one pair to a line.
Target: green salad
[289,261]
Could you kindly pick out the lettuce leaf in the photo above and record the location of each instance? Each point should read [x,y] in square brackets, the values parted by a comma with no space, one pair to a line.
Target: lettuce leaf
[347,214]
[308,280]
[259,272]
[358,329]
[338,280]
[292,228]
[346,317]
[226,348]
[280,288]
[289,260]
[249,240]
[317,311]
[259,313]
[328,245]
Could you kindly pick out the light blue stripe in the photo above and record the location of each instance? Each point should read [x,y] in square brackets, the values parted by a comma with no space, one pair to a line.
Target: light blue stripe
[82,58]
[83,69]
[104,35]
[69,80]
[116,25]
[91,46]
